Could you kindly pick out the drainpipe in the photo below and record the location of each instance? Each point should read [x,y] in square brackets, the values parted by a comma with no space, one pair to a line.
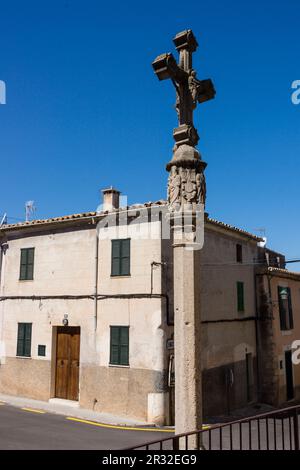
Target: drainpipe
[96,280]
[3,248]
[257,340]
[153,265]
[1,258]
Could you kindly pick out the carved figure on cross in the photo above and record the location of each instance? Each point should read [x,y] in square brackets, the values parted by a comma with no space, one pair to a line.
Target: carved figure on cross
[189,90]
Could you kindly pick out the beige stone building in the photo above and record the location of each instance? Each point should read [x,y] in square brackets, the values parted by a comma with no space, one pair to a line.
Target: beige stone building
[228,318]
[279,320]
[86,313]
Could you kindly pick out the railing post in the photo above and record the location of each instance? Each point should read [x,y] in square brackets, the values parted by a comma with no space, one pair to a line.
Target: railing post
[296,429]
[198,441]
[175,443]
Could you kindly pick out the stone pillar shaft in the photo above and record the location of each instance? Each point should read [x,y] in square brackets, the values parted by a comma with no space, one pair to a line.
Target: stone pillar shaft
[188,393]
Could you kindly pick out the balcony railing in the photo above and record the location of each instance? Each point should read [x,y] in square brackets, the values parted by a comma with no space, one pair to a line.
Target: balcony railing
[275,430]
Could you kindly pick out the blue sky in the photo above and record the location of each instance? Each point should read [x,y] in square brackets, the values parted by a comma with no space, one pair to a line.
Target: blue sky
[85,110]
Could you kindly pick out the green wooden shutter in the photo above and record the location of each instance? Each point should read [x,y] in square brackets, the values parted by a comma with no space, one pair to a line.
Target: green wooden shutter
[20,341]
[125,257]
[24,339]
[115,258]
[240,297]
[23,266]
[114,345]
[30,263]
[120,264]
[27,340]
[124,346]
[119,345]
[27,263]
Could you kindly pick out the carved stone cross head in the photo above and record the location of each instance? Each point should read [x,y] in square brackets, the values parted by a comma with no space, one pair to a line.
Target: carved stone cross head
[189,90]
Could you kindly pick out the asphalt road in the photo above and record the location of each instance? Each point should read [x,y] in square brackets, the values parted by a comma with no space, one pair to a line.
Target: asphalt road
[33,430]
[29,429]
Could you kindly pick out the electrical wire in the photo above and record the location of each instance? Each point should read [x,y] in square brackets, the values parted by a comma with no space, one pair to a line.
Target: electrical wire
[12,218]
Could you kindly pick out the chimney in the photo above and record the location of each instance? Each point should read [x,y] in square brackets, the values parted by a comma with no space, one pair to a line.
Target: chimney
[111,199]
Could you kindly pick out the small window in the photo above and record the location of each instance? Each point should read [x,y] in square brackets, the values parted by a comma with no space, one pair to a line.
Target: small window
[120,263]
[24,339]
[41,350]
[119,345]
[239,253]
[26,265]
[285,308]
[240,297]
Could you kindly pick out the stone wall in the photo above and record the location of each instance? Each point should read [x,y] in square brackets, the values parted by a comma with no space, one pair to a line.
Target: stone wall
[227,396]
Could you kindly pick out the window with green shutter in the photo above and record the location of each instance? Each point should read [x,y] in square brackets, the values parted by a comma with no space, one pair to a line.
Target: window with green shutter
[285,308]
[27,263]
[120,259]
[24,339]
[240,297]
[119,345]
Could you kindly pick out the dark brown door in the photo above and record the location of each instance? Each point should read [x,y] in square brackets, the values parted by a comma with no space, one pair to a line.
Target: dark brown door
[67,362]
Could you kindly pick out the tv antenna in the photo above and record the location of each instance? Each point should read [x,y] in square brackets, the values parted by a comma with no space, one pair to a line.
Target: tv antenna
[261,230]
[29,210]
[3,220]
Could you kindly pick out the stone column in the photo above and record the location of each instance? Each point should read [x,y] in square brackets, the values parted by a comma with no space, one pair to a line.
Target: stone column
[187,183]
[187,335]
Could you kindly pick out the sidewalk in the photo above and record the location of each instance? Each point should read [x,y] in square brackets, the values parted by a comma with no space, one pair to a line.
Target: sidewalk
[246,412]
[62,407]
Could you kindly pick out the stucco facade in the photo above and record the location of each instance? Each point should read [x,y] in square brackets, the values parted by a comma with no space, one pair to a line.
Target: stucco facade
[227,334]
[65,267]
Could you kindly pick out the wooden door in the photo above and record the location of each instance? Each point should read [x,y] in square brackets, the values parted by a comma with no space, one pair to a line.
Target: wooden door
[67,362]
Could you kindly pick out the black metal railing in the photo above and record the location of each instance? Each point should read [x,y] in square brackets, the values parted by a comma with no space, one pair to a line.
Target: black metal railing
[275,430]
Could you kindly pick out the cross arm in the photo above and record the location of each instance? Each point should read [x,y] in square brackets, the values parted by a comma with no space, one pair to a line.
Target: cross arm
[165,66]
[206,91]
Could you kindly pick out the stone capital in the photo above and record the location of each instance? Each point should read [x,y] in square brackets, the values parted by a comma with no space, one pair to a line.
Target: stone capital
[185,134]
[186,156]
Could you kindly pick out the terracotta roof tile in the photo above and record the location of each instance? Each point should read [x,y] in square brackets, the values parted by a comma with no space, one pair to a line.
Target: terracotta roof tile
[84,215]
[235,229]
[284,272]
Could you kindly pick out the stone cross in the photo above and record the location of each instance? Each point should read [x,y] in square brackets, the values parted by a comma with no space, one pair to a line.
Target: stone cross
[189,90]
[186,196]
